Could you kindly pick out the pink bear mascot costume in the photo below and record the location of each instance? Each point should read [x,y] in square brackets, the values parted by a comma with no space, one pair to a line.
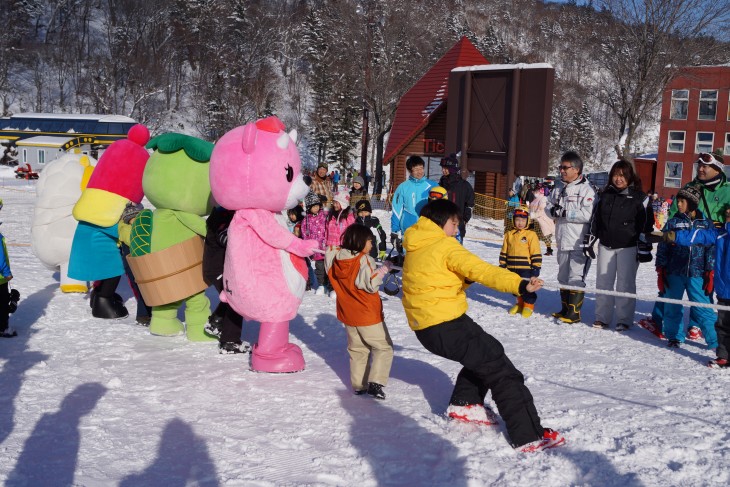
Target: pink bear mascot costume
[256,171]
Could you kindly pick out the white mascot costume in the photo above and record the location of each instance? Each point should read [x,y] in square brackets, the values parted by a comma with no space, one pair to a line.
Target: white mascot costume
[59,188]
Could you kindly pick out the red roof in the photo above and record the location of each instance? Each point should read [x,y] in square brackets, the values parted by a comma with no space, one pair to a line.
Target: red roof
[424,99]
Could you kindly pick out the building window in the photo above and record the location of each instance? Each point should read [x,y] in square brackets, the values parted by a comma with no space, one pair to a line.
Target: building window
[708,104]
[704,142]
[726,152]
[673,175]
[680,101]
[676,141]
[25,156]
[41,156]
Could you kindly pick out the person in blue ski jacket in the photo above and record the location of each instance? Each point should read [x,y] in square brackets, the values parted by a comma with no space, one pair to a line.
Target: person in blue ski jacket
[720,238]
[6,331]
[690,269]
[408,199]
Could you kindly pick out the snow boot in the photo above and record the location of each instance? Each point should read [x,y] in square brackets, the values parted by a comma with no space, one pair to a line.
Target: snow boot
[674,344]
[549,251]
[564,302]
[600,325]
[108,308]
[234,347]
[8,332]
[13,303]
[574,304]
[215,321]
[550,439]
[273,352]
[622,327]
[517,308]
[376,391]
[527,310]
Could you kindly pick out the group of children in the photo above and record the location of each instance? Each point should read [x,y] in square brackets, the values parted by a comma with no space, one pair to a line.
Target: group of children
[691,258]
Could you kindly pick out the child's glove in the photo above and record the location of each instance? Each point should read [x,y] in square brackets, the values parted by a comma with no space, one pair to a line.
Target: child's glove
[669,236]
[643,250]
[661,279]
[587,246]
[394,238]
[381,255]
[708,282]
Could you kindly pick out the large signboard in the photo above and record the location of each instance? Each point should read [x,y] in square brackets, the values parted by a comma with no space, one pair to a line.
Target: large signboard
[499,118]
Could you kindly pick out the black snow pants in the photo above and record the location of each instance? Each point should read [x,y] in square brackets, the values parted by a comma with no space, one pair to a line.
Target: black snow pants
[486,368]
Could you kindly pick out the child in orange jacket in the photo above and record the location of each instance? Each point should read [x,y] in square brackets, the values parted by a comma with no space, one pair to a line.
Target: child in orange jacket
[353,276]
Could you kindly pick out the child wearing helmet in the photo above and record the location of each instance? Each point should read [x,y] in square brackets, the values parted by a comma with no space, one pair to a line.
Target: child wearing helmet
[521,254]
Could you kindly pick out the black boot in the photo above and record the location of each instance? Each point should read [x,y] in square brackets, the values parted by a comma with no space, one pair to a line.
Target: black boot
[564,302]
[108,308]
[575,302]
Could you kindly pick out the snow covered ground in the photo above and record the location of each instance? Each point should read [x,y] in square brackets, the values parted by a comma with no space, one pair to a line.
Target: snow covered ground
[94,403]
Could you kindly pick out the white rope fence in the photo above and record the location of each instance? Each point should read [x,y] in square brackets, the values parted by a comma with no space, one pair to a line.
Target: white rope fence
[557,287]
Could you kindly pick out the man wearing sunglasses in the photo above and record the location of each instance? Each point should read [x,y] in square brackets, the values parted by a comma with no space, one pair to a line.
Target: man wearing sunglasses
[571,208]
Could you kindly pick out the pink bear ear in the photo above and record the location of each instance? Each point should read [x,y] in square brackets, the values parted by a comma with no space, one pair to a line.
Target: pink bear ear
[249,138]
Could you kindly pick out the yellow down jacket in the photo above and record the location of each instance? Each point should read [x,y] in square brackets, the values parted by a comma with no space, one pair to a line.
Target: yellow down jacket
[433,275]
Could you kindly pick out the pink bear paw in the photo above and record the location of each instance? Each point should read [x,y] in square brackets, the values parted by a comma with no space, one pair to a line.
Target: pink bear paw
[303,248]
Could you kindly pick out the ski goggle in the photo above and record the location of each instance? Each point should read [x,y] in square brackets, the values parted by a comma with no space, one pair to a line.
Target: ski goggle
[435,195]
[707,158]
[520,214]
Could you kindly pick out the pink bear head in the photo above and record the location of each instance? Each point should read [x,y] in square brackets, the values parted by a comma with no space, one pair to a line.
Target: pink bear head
[257,166]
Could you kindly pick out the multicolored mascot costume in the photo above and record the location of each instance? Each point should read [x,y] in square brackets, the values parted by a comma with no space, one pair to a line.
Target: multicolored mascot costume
[95,256]
[256,170]
[52,231]
[176,181]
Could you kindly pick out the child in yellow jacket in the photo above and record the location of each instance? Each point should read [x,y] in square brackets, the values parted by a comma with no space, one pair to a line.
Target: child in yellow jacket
[521,254]
[435,273]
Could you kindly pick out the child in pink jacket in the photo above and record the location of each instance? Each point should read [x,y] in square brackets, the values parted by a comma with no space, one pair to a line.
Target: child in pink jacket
[314,227]
[339,218]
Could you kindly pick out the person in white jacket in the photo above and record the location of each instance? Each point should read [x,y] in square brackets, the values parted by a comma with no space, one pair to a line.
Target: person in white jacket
[571,207]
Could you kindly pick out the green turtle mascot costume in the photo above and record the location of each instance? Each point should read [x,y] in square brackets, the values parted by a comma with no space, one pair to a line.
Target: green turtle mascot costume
[176,181]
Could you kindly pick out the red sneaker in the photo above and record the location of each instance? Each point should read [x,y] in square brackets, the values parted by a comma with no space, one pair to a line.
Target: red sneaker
[472,413]
[694,333]
[550,439]
[718,363]
[649,324]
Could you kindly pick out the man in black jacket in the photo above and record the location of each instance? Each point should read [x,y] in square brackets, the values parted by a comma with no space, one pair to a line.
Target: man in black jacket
[458,190]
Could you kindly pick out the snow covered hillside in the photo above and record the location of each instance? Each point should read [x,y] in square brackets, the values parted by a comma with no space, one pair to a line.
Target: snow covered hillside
[94,403]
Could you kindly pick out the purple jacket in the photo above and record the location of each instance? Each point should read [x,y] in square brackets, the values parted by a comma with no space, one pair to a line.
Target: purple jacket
[314,227]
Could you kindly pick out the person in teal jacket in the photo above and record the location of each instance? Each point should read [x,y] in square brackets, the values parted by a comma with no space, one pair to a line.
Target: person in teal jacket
[6,331]
[408,199]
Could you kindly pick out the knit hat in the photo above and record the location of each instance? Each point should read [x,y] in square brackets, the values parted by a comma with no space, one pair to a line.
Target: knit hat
[343,198]
[360,180]
[311,200]
[451,163]
[363,205]
[692,195]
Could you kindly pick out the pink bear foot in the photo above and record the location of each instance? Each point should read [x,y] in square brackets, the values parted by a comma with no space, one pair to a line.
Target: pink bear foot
[273,352]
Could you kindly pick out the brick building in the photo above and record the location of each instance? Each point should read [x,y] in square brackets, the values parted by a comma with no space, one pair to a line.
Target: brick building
[695,118]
